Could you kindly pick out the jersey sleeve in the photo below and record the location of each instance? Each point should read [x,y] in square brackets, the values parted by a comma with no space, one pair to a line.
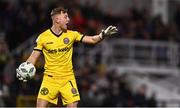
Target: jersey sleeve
[38,43]
[78,36]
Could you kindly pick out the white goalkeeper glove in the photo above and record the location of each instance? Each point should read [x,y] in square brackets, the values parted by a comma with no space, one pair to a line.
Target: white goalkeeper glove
[108,32]
[19,76]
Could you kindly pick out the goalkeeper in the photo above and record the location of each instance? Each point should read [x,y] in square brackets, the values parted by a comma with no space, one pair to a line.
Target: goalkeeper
[56,44]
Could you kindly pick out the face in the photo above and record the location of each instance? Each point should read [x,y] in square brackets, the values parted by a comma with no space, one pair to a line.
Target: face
[62,20]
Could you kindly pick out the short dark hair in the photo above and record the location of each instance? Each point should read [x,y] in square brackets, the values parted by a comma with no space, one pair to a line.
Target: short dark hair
[58,10]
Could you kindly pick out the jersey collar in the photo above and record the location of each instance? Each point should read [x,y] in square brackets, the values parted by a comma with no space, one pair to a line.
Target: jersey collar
[55,33]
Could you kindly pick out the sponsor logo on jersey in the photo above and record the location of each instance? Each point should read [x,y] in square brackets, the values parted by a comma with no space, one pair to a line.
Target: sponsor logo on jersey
[49,43]
[54,51]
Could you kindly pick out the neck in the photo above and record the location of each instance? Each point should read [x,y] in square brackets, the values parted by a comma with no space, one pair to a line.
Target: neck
[56,30]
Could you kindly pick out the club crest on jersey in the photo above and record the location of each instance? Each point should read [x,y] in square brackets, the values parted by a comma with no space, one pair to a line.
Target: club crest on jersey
[73,90]
[66,40]
[44,91]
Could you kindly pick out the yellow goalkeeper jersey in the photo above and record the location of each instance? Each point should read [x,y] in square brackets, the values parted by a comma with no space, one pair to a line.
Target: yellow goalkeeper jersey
[57,51]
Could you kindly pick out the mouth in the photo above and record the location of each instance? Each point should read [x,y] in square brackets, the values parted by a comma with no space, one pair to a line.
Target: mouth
[66,24]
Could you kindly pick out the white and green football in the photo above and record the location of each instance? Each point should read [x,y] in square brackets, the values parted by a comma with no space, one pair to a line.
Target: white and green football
[27,70]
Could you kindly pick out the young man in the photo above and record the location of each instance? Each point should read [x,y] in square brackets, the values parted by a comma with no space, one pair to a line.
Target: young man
[56,44]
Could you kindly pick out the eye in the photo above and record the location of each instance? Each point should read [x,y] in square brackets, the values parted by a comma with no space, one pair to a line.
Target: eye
[66,16]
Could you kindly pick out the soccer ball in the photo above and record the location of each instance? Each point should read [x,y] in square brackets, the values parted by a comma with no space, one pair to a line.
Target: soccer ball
[27,70]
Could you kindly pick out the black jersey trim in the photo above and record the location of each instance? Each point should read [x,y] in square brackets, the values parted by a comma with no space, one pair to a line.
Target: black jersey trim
[38,50]
[71,83]
[55,33]
[82,38]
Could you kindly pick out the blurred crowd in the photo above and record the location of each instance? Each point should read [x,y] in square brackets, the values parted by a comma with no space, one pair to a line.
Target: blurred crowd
[24,18]
[101,87]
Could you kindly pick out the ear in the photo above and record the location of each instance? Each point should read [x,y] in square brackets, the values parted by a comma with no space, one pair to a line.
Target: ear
[56,19]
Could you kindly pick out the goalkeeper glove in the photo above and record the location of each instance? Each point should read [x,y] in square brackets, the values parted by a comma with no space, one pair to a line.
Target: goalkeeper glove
[19,76]
[108,32]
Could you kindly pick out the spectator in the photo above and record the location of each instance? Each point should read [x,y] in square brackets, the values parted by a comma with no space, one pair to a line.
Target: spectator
[1,96]
[152,102]
[140,96]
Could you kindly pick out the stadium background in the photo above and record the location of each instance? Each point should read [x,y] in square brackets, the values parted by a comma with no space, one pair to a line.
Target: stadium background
[139,66]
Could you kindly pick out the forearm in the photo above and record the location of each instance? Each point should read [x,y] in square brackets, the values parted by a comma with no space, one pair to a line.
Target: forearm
[92,39]
[33,57]
[31,60]
[96,39]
